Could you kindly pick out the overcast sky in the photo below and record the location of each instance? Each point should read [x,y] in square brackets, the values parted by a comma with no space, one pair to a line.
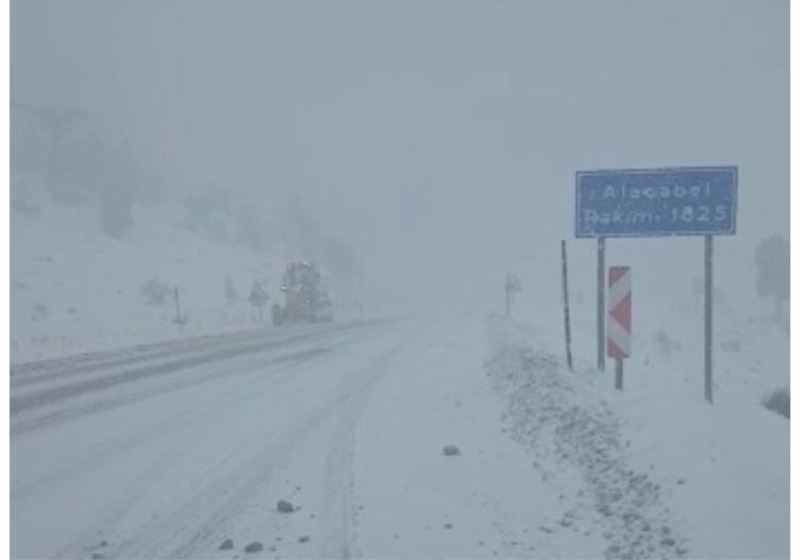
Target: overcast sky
[440,138]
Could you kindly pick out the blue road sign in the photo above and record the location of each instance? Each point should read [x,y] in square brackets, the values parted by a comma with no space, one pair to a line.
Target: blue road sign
[656,202]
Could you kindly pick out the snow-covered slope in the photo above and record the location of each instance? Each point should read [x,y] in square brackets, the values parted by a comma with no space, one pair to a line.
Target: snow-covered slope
[75,289]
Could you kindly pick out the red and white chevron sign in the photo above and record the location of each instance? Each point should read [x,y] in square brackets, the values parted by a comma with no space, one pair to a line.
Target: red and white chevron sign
[618,328]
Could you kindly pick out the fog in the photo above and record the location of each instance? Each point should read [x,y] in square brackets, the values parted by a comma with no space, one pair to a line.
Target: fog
[439,140]
[286,279]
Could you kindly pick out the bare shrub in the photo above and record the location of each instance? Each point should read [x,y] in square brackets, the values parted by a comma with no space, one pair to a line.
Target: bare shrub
[778,402]
[155,292]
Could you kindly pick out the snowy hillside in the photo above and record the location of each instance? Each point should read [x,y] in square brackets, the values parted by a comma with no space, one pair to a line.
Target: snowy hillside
[74,289]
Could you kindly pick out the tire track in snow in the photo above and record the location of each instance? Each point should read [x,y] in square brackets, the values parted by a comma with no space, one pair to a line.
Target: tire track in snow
[123,447]
[31,373]
[109,399]
[57,370]
[22,401]
[160,436]
[339,500]
[248,382]
[217,505]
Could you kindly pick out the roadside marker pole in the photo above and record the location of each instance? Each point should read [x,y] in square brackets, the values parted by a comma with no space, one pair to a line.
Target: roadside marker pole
[709,266]
[178,317]
[508,295]
[512,287]
[567,333]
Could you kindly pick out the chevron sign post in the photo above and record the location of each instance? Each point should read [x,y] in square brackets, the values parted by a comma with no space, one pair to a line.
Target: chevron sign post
[618,330]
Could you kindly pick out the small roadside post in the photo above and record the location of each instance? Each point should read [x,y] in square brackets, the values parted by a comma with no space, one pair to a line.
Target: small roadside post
[508,295]
[662,202]
[512,287]
[178,317]
[619,318]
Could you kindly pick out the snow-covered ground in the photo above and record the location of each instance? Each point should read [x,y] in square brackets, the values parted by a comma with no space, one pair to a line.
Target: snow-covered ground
[654,468]
[74,289]
[184,434]
[173,450]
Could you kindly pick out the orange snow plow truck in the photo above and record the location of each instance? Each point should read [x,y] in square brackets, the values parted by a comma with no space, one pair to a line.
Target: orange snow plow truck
[305,299]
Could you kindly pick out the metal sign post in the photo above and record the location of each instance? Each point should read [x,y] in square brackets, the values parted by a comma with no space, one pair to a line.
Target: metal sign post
[601,302]
[698,201]
[567,334]
[709,266]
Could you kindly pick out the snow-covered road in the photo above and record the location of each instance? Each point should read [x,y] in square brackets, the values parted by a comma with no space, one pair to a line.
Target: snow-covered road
[159,451]
[171,450]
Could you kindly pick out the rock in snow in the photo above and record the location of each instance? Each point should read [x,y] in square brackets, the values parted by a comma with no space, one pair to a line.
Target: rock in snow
[450,450]
[254,546]
[285,507]
[226,545]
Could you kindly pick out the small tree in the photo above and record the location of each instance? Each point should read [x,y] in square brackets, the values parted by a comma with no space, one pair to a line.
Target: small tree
[772,260]
[59,124]
[258,298]
[116,215]
[117,194]
[231,293]
[779,401]
[155,292]
[206,211]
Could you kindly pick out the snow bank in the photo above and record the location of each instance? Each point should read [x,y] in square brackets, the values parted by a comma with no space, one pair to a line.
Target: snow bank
[666,473]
